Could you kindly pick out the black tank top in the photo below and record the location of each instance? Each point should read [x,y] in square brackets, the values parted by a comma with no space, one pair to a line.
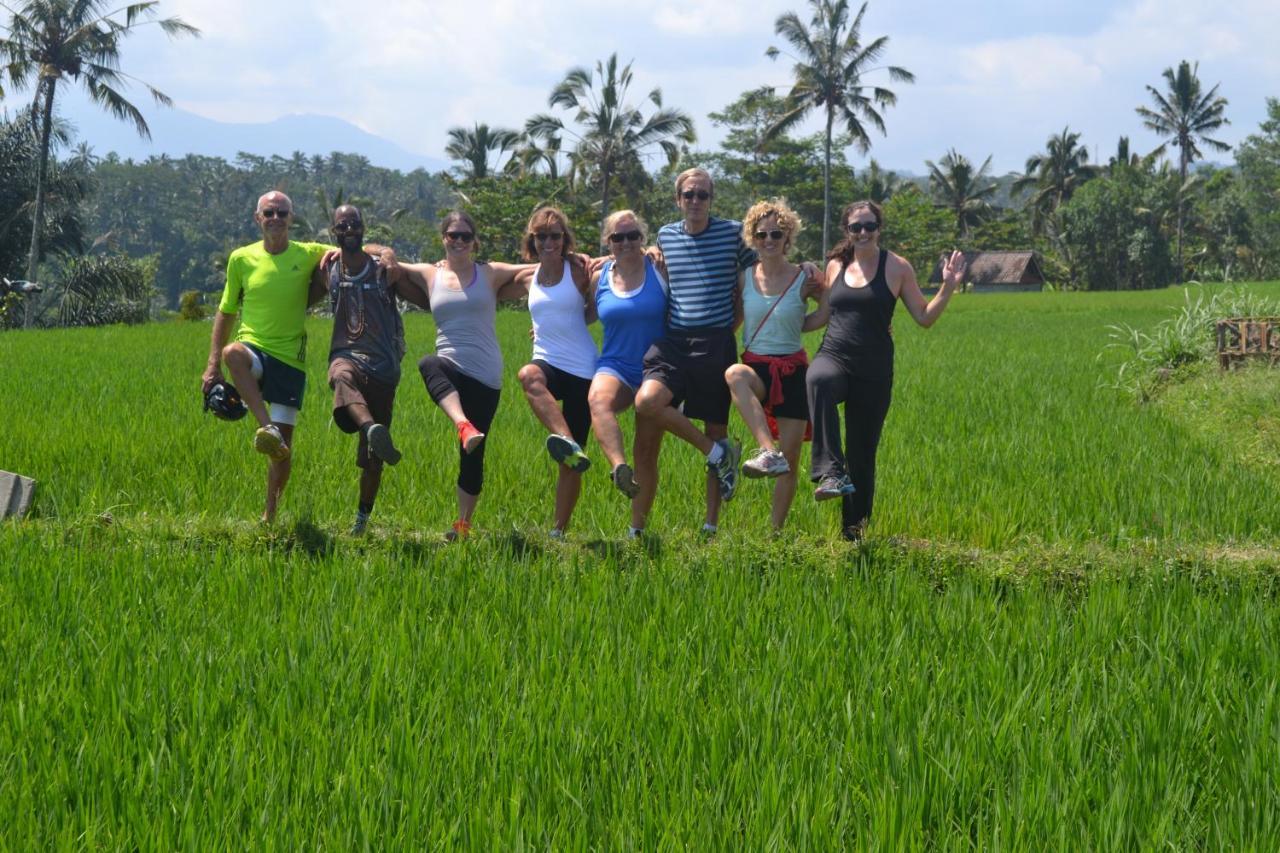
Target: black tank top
[858,332]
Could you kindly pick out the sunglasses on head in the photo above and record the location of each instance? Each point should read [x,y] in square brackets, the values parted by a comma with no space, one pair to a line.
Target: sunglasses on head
[859,227]
[553,236]
[624,236]
[344,227]
[771,235]
[272,213]
[460,236]
[700,195]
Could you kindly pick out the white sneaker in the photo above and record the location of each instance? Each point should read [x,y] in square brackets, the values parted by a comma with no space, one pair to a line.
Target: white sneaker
[766,463]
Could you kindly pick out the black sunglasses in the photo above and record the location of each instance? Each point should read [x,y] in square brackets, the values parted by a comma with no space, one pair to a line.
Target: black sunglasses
[344,227]
[460,236]
[272,213]
[553,236]
[859,227]
[619,237]
[772,235]
[700,195]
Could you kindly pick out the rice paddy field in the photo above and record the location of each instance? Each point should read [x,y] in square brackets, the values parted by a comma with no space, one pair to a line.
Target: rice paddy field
[1062,631]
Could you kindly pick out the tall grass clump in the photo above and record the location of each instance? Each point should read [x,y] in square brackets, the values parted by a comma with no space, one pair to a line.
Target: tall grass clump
[1177,345]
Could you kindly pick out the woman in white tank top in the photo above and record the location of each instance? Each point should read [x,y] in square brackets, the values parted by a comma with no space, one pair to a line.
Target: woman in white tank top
[564,353]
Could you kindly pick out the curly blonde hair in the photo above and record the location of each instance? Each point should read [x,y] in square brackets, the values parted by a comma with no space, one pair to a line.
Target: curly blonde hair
[788,220]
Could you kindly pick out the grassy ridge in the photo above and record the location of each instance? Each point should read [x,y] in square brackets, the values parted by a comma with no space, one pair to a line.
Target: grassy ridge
[1063,630]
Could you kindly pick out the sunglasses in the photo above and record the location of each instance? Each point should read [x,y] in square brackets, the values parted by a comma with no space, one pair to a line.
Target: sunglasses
[700,195]
[273,213]
[625,236]
[460,236]
[859,227]
[771,235]
[344,227]
[553,236]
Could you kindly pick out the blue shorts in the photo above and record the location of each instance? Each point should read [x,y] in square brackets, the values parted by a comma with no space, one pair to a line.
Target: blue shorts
[630,375]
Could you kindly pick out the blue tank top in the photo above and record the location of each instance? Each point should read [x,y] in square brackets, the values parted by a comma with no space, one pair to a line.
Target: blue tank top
[631,322]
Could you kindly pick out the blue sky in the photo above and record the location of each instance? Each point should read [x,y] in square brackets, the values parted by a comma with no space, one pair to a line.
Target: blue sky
[993,78]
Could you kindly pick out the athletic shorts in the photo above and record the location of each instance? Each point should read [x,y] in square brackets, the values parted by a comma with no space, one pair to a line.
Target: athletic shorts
[572,392]
[691,365]
[280,383]
[795,399]
[350,385]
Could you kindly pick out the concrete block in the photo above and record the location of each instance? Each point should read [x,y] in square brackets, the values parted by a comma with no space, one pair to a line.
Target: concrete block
[16,492]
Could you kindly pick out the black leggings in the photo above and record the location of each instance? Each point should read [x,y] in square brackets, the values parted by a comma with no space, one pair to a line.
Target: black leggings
[866,403]
[479,404]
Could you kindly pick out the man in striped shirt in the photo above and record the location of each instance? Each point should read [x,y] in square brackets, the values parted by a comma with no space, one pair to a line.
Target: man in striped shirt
[704,257]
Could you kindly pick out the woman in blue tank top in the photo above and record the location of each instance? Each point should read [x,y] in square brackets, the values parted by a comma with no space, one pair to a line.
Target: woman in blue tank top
[631,302]
[854,364]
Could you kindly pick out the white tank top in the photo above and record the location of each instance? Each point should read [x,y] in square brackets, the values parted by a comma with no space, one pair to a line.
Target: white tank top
[560,335]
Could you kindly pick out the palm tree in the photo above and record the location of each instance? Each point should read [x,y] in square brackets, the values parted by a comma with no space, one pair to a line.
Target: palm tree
[1055,175]
[529,156]
[472,147]
[830,63]
[52,40]
[611,134]
[962,189]
[1185,116]
[876,184]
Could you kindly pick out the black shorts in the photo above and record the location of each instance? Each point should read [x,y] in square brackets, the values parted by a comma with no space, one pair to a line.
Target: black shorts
[795,398]
[691,365]
[281,383]
[572,392]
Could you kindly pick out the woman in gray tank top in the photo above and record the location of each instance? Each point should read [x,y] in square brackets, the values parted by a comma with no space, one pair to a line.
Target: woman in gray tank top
[464,377]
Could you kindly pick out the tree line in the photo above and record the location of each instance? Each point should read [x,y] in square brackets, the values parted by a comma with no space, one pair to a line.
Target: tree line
[1137,220]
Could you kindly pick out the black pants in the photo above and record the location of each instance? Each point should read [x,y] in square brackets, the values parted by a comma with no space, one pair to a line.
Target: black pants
[866,403]
[479,404]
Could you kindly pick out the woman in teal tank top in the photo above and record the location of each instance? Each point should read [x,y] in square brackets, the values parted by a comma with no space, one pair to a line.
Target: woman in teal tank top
[768,387]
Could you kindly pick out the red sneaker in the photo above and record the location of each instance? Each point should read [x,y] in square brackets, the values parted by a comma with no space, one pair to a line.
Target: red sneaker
[469,436]
[460,531]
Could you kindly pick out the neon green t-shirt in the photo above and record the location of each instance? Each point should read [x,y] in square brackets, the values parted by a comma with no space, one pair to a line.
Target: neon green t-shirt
[270,292]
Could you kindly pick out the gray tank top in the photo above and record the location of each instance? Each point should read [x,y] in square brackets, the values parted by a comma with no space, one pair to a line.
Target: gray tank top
[465,333]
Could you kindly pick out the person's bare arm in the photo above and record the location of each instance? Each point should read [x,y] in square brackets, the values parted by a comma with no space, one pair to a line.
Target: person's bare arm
[819,291]
[502,278]
[582,280]
[222,325]
[739,312]
[319,285]
[926,314]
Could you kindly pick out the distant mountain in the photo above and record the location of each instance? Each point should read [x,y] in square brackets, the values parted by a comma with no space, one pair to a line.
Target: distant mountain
[176,132]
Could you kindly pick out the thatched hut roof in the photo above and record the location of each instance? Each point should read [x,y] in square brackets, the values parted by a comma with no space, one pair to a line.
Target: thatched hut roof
[988,268]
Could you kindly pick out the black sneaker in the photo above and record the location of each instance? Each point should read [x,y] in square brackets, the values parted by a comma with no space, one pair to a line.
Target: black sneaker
[625,479]
[726,470]
[567,452]
[381,445]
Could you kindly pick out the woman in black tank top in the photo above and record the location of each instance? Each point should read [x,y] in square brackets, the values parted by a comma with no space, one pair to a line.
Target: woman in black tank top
[854,364]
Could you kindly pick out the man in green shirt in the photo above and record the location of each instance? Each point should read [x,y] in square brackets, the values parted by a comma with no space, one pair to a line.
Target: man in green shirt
[269,284]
